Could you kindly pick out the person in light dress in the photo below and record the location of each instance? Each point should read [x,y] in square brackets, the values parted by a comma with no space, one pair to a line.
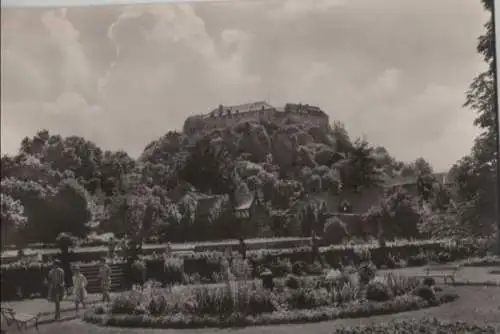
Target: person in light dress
[79,288]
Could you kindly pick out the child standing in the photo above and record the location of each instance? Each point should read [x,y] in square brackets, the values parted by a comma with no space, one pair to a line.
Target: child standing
[79,288]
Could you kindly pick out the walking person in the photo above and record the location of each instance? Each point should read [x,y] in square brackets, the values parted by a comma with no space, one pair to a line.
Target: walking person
[56,287]
[168,272]
[105,278]
[315,249]
[242,248]
[79,288]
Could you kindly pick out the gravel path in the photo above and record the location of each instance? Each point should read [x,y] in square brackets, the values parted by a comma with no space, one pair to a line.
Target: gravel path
[476,305]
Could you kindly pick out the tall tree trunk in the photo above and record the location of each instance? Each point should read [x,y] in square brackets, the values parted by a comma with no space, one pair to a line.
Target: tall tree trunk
[495,74]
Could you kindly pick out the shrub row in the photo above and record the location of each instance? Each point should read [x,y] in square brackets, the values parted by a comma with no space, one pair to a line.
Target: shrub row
[203,266]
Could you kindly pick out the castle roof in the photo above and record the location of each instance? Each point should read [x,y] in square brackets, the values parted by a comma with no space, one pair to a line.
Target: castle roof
[253,106]
[244,202]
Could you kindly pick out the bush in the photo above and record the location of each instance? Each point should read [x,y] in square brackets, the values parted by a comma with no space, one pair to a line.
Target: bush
[157,305]
[281,267]
[418,260]
[139,272]
[444,297]
[298,268]
[307,298]
[426,293]
[126,304]
[378,292]
[345,293]
[335,231]
[292,282]
[429,281]
[400,285]
[173,271]
[259,302]
[366,272]
[315,269]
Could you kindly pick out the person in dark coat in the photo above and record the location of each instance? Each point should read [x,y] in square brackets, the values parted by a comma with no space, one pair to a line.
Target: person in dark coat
[242,248]
[315,249]
[56,287]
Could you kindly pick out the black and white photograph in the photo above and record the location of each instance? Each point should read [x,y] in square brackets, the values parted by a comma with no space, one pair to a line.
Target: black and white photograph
[250,167]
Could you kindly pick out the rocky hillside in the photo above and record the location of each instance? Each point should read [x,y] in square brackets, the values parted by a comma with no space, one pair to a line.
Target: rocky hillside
[283,165]
[279,176]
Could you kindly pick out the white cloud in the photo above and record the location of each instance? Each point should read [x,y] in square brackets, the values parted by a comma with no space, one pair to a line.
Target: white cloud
[145,68]
[74,71]
[387,83]
[71,104]
[292,9]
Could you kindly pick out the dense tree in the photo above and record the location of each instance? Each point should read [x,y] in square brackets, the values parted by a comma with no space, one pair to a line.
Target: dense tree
[335,231]
[210,168]
[34,197]
[76,154]
[425,186]
[162,150]
[13,218]
[67,211]
[139,210]
[343,142]
[422,167]
[360,170]
[395,216]
[114,166]
[312,216]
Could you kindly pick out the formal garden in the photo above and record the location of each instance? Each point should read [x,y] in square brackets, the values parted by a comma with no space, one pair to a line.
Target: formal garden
[295,299]
[28,280]
[333,232]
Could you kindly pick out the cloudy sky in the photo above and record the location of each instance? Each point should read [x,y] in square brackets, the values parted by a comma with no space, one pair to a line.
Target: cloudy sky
[394,71]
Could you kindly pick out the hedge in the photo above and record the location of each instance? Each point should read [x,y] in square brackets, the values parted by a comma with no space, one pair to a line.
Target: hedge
[29,278]
[422,326]
[86,255]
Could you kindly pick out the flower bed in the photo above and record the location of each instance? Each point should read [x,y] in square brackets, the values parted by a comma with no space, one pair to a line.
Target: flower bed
[423,326]
[206,267]
[250,304]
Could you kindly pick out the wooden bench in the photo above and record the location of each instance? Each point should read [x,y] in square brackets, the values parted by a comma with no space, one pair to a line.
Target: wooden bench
[441,271]
[22,320]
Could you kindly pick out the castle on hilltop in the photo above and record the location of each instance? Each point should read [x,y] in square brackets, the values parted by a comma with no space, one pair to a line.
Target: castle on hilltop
[259,111]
